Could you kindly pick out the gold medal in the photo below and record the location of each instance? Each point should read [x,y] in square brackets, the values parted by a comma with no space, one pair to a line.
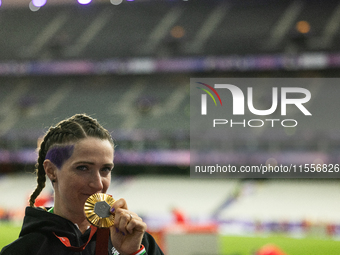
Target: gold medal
[97,210]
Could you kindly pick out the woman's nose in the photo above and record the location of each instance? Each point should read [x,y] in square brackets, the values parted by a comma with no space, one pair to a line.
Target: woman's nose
[96,182]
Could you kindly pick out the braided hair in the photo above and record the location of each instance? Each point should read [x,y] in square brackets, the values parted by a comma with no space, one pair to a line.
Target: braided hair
[67,131]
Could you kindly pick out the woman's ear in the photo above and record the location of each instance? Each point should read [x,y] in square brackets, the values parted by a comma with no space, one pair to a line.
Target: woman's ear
[50,170]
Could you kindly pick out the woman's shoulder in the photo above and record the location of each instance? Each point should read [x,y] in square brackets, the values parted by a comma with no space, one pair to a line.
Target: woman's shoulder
[24,245]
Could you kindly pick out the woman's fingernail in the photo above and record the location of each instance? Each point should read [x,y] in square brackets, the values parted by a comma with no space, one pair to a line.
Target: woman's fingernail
[117,230]
[112,210]
[123,233]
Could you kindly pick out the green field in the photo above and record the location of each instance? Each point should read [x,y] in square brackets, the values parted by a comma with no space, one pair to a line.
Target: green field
[8,233]
[233,245]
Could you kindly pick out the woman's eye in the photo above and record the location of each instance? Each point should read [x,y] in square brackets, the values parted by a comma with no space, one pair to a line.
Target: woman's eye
[82,168]
[107,169]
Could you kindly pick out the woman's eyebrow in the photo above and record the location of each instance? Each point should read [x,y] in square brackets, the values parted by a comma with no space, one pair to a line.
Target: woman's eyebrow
[92,163]
[109,164]
[84,162]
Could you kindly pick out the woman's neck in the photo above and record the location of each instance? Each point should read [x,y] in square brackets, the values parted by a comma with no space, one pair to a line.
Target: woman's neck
[83,226]
[77,218]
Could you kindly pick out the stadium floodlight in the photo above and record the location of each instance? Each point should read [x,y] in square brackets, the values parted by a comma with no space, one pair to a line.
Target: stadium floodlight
[38,3]
[32,7]
[84,1]
[116,2]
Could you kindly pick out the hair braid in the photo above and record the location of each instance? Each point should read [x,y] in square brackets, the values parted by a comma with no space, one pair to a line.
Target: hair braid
[41,175]
[70,130]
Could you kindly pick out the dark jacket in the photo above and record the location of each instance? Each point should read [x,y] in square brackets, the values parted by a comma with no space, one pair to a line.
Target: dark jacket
[37,237]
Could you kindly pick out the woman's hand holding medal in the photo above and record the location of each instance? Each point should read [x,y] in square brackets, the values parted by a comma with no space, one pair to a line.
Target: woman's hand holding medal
[128,229]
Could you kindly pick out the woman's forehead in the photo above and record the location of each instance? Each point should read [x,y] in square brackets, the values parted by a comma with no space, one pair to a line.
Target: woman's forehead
[92,142]
[93,147]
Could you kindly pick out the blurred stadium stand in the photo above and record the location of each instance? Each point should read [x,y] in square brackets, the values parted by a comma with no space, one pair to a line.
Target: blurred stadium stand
[129,66]
[169,28]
